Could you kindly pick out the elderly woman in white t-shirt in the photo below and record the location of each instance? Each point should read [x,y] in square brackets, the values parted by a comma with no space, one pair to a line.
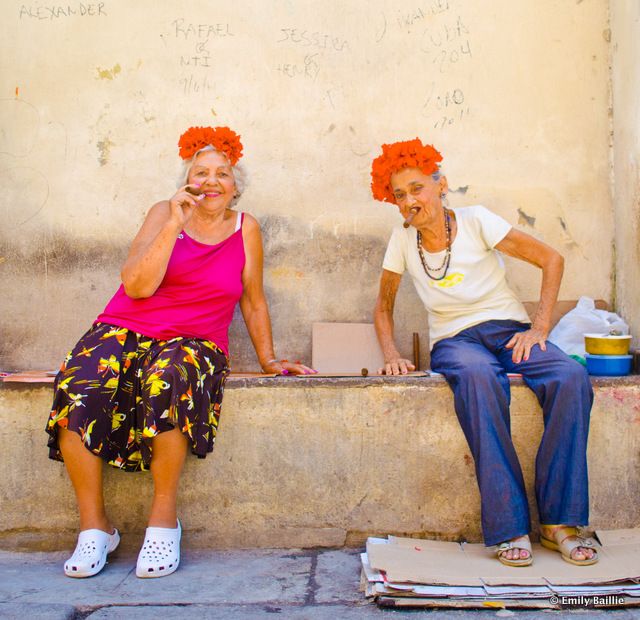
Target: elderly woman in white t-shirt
[479,332]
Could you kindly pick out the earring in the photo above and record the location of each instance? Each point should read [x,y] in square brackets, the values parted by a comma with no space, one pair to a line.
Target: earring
[444,200]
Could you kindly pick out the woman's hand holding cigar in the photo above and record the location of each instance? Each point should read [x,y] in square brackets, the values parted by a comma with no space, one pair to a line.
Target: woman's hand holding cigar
[183,203]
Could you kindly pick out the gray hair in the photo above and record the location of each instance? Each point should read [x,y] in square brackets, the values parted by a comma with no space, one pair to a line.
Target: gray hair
[240,176]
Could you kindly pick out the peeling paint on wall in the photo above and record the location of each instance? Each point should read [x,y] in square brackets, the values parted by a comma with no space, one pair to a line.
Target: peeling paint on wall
[104,147]
[108,74]
[462,189]
[567,239]
[525,219]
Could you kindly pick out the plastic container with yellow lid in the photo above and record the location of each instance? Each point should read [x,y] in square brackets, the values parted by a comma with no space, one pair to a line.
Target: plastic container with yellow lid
[599,344]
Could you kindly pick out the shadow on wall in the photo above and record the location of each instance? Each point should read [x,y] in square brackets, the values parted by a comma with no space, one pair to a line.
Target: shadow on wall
[59,285]
[321,277]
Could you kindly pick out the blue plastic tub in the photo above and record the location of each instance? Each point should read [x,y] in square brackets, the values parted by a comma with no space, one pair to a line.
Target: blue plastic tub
[609,365]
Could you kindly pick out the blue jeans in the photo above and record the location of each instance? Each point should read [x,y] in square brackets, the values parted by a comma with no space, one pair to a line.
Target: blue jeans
[475,363]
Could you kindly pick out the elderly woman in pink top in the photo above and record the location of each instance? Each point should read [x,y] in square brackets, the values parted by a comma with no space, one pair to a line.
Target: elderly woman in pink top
[144,385]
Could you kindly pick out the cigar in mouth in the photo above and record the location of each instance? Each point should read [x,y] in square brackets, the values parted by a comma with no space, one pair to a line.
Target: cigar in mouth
[412,214]
[194,191]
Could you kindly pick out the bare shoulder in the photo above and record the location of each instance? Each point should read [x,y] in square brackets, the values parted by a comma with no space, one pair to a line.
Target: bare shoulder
[251,231]
[250,223]
[160,209]
[154,220]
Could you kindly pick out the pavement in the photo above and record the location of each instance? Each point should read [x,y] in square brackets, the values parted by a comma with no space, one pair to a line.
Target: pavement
[311,584]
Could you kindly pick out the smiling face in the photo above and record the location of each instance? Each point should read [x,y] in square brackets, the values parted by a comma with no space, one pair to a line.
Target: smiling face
[212,171]
[413,188]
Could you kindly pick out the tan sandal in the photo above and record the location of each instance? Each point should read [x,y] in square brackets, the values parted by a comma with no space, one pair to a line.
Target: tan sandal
[566,546]
[522,543]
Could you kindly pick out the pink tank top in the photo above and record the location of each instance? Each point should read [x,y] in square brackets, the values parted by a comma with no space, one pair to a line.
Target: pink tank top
[196,298]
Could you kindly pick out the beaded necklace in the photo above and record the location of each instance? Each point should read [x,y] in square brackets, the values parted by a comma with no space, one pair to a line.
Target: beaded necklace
[447,255]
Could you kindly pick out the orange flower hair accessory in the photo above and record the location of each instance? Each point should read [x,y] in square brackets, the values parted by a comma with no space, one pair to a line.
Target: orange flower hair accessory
[409,154]
[221,139]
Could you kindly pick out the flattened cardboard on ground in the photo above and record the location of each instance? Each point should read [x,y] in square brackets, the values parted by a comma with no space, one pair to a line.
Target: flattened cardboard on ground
[345,348]
[474,565]
[549,567]
[423,563]
[513,591]
[619,537]
[390,601]
[491,593]
[628,588]
[420,543]
[369,574]
[423,591]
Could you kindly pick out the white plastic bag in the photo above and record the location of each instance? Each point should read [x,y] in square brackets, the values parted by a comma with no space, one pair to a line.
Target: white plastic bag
[569,333]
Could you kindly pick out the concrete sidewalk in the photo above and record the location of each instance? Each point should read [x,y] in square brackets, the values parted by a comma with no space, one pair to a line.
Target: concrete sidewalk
[235,585]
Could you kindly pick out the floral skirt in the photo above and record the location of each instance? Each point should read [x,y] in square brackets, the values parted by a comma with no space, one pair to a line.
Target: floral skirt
[118,389]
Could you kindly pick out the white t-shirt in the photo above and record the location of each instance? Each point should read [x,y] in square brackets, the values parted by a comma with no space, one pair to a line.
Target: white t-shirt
[475,289]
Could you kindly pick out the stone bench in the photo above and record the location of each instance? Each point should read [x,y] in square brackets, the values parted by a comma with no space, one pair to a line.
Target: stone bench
[316,462]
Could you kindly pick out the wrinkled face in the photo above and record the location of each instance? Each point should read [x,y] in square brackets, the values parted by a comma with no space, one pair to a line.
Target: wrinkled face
[413,188]
[213,173]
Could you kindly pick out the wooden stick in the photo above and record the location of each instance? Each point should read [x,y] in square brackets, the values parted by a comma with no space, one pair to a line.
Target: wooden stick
[416,350]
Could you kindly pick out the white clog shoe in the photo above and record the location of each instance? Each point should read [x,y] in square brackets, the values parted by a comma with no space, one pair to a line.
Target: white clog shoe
[90,554]
[160,553]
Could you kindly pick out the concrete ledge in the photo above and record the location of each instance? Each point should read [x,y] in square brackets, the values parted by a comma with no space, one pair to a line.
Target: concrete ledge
[317,462]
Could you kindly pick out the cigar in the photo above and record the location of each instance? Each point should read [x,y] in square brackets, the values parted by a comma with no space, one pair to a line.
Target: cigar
[194,191]
[412,214]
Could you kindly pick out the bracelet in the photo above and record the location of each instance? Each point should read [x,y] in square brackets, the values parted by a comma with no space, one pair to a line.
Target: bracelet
[273,361]
[277,361]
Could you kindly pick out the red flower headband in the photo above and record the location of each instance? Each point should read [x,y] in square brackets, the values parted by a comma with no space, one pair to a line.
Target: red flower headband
[222,139]
[409,154]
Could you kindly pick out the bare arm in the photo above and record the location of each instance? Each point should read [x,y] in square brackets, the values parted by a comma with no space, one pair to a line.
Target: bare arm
[150,251]
[253,303]
[527,248]
[383,321]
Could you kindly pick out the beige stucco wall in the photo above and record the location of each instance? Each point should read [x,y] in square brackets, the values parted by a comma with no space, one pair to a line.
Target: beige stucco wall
[515,94]
[625,25]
